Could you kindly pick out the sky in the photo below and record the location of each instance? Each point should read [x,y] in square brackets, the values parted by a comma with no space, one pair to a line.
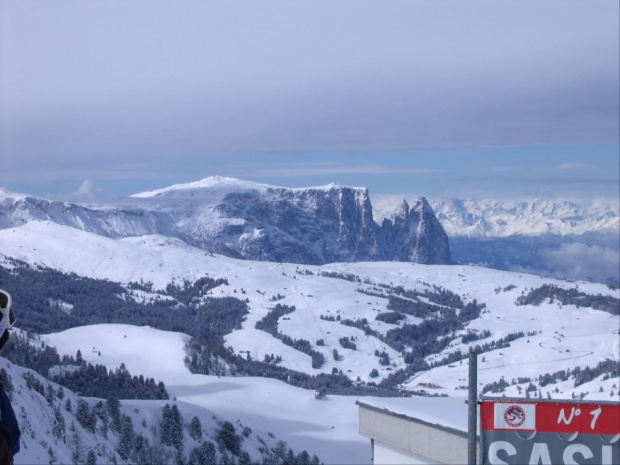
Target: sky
[478,98]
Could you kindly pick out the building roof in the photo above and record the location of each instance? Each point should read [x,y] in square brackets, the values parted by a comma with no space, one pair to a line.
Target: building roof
[444,412]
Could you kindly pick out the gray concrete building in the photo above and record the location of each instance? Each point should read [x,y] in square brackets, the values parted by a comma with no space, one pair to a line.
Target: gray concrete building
[415,430]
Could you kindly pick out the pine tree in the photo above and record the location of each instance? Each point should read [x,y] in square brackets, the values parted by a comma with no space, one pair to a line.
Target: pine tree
[195,429]
[49,394]
[126,441]
[203,455]
[113,406]
[58,429]
[179,458]
[91,459]
[279,452]
[158,455]
[207,451]
[83,415]
[228,437]
[177,427]
[76,444]
[50,452]
[100,411]
[165,427]
[103,429]
[245,459]
[92,420]
[140,443]
[194,457]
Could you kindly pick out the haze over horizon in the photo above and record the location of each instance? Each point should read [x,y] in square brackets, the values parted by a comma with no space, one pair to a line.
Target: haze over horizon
[586,183]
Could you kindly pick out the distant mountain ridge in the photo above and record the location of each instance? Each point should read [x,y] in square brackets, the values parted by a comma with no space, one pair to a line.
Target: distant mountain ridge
[493,218]
[254,221]
[566,239]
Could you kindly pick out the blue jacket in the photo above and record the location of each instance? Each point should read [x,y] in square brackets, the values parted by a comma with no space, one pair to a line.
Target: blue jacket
[9,421]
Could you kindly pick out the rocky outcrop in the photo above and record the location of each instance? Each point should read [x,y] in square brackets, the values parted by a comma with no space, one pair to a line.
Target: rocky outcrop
[414,235]
[254,221]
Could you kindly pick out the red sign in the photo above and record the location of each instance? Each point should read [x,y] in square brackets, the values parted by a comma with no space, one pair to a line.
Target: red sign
[519,431]
[551,417]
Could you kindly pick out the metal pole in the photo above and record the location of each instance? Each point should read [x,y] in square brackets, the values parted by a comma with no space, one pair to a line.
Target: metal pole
[473,409]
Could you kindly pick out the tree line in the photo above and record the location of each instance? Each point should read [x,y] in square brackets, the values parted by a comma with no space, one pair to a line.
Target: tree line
[269,324]
[570,296]
[81,377]
[39,294]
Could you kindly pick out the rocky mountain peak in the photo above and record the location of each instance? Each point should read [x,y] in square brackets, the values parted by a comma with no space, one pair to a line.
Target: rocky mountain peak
[242,219]
[403,211]
[421,204]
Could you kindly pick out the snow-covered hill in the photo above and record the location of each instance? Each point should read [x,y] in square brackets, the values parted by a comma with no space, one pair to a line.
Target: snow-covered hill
[269,411]
[322,300]
[52,433]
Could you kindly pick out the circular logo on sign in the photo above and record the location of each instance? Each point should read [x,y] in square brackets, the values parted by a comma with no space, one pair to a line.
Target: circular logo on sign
[514,416]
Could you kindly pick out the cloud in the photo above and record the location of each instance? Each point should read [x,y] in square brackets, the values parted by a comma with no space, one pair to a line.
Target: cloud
[86,193]
[571,180]
[578,261]
[327,169]
[572,166]
[507,168]
[385,205]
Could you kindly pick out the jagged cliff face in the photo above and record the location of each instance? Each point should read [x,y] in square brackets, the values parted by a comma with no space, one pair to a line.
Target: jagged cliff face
[415,235]
[255,221]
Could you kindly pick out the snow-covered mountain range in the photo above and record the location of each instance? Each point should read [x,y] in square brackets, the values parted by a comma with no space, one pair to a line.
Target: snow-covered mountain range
[488,218]
[254,221]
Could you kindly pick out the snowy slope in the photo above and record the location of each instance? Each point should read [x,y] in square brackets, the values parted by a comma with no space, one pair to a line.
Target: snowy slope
[207,398]
[305,423]
[327,427]
[163,260]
